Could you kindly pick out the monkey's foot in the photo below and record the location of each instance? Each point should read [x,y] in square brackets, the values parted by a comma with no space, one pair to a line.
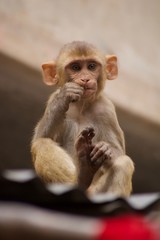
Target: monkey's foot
[91,156]
[83,144]
[84,147]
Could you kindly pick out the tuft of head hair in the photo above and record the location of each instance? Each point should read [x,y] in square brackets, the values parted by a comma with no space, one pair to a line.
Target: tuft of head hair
[78,49]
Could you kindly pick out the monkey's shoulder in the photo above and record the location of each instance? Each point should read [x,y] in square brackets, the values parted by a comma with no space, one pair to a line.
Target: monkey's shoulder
[104,106]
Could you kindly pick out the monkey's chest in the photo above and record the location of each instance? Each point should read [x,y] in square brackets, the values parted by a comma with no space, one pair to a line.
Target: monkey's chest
[73,127]
[79,124]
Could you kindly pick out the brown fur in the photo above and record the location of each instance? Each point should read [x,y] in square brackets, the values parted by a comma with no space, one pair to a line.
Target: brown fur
[78,140]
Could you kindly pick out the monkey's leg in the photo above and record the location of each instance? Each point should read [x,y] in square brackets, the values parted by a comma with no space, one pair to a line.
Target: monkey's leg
[52,163]
[116,179]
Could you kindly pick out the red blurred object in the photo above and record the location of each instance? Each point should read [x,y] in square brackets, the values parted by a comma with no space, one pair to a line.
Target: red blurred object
[130,227]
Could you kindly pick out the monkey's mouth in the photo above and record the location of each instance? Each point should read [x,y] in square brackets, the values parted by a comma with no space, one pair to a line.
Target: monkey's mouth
[88,91]
[89,88]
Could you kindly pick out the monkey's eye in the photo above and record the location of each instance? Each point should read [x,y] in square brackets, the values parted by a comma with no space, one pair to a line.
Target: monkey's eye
[92,66]
[75,67]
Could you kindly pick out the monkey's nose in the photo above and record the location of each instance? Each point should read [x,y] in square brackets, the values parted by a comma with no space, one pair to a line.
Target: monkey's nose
[84,79]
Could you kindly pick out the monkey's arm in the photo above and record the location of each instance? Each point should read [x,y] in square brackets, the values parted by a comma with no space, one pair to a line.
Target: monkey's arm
[110,131]
[53,117]
[52,163]
[57,106]
[115,175]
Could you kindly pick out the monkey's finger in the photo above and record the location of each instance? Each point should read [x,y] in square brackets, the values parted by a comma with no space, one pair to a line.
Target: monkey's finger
[73,89]
[97,155]
[75,97]
[99,161]
[96,148]
[108,154]
[99,151]
[73,85]
[76,90]
[75,93]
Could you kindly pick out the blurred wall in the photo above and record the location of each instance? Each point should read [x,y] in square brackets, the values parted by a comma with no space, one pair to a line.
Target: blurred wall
[33,31]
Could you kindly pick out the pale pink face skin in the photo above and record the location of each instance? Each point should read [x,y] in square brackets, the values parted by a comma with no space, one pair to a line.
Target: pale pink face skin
[85,73]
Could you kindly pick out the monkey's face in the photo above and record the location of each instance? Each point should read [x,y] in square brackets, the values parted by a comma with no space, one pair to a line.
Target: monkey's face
[83,64]
[86,73]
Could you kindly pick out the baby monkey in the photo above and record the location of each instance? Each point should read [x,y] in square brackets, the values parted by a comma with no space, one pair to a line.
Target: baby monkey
[78,140]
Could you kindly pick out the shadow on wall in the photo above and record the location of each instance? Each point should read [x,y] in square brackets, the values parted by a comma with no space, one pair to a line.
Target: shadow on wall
[23,97]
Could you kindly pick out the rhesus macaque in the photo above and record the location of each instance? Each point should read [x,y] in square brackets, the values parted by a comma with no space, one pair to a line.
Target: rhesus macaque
[78,140]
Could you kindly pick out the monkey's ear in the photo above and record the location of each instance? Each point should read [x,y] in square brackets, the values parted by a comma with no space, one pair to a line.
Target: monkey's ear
[49,73]
[111,67]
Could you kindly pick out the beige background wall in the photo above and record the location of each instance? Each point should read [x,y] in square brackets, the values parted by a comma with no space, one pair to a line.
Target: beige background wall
[32,31]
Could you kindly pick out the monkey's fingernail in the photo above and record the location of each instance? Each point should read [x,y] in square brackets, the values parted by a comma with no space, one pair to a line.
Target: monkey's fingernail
[91,154]
[93,159]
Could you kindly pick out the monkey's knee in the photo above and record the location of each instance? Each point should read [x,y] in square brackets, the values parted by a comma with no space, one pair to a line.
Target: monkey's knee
[115,180]
[125,164]
[121,176]
[52,163]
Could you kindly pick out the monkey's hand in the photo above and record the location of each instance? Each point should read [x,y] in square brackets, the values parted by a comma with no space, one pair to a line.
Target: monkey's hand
[71,92]
[101,153]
